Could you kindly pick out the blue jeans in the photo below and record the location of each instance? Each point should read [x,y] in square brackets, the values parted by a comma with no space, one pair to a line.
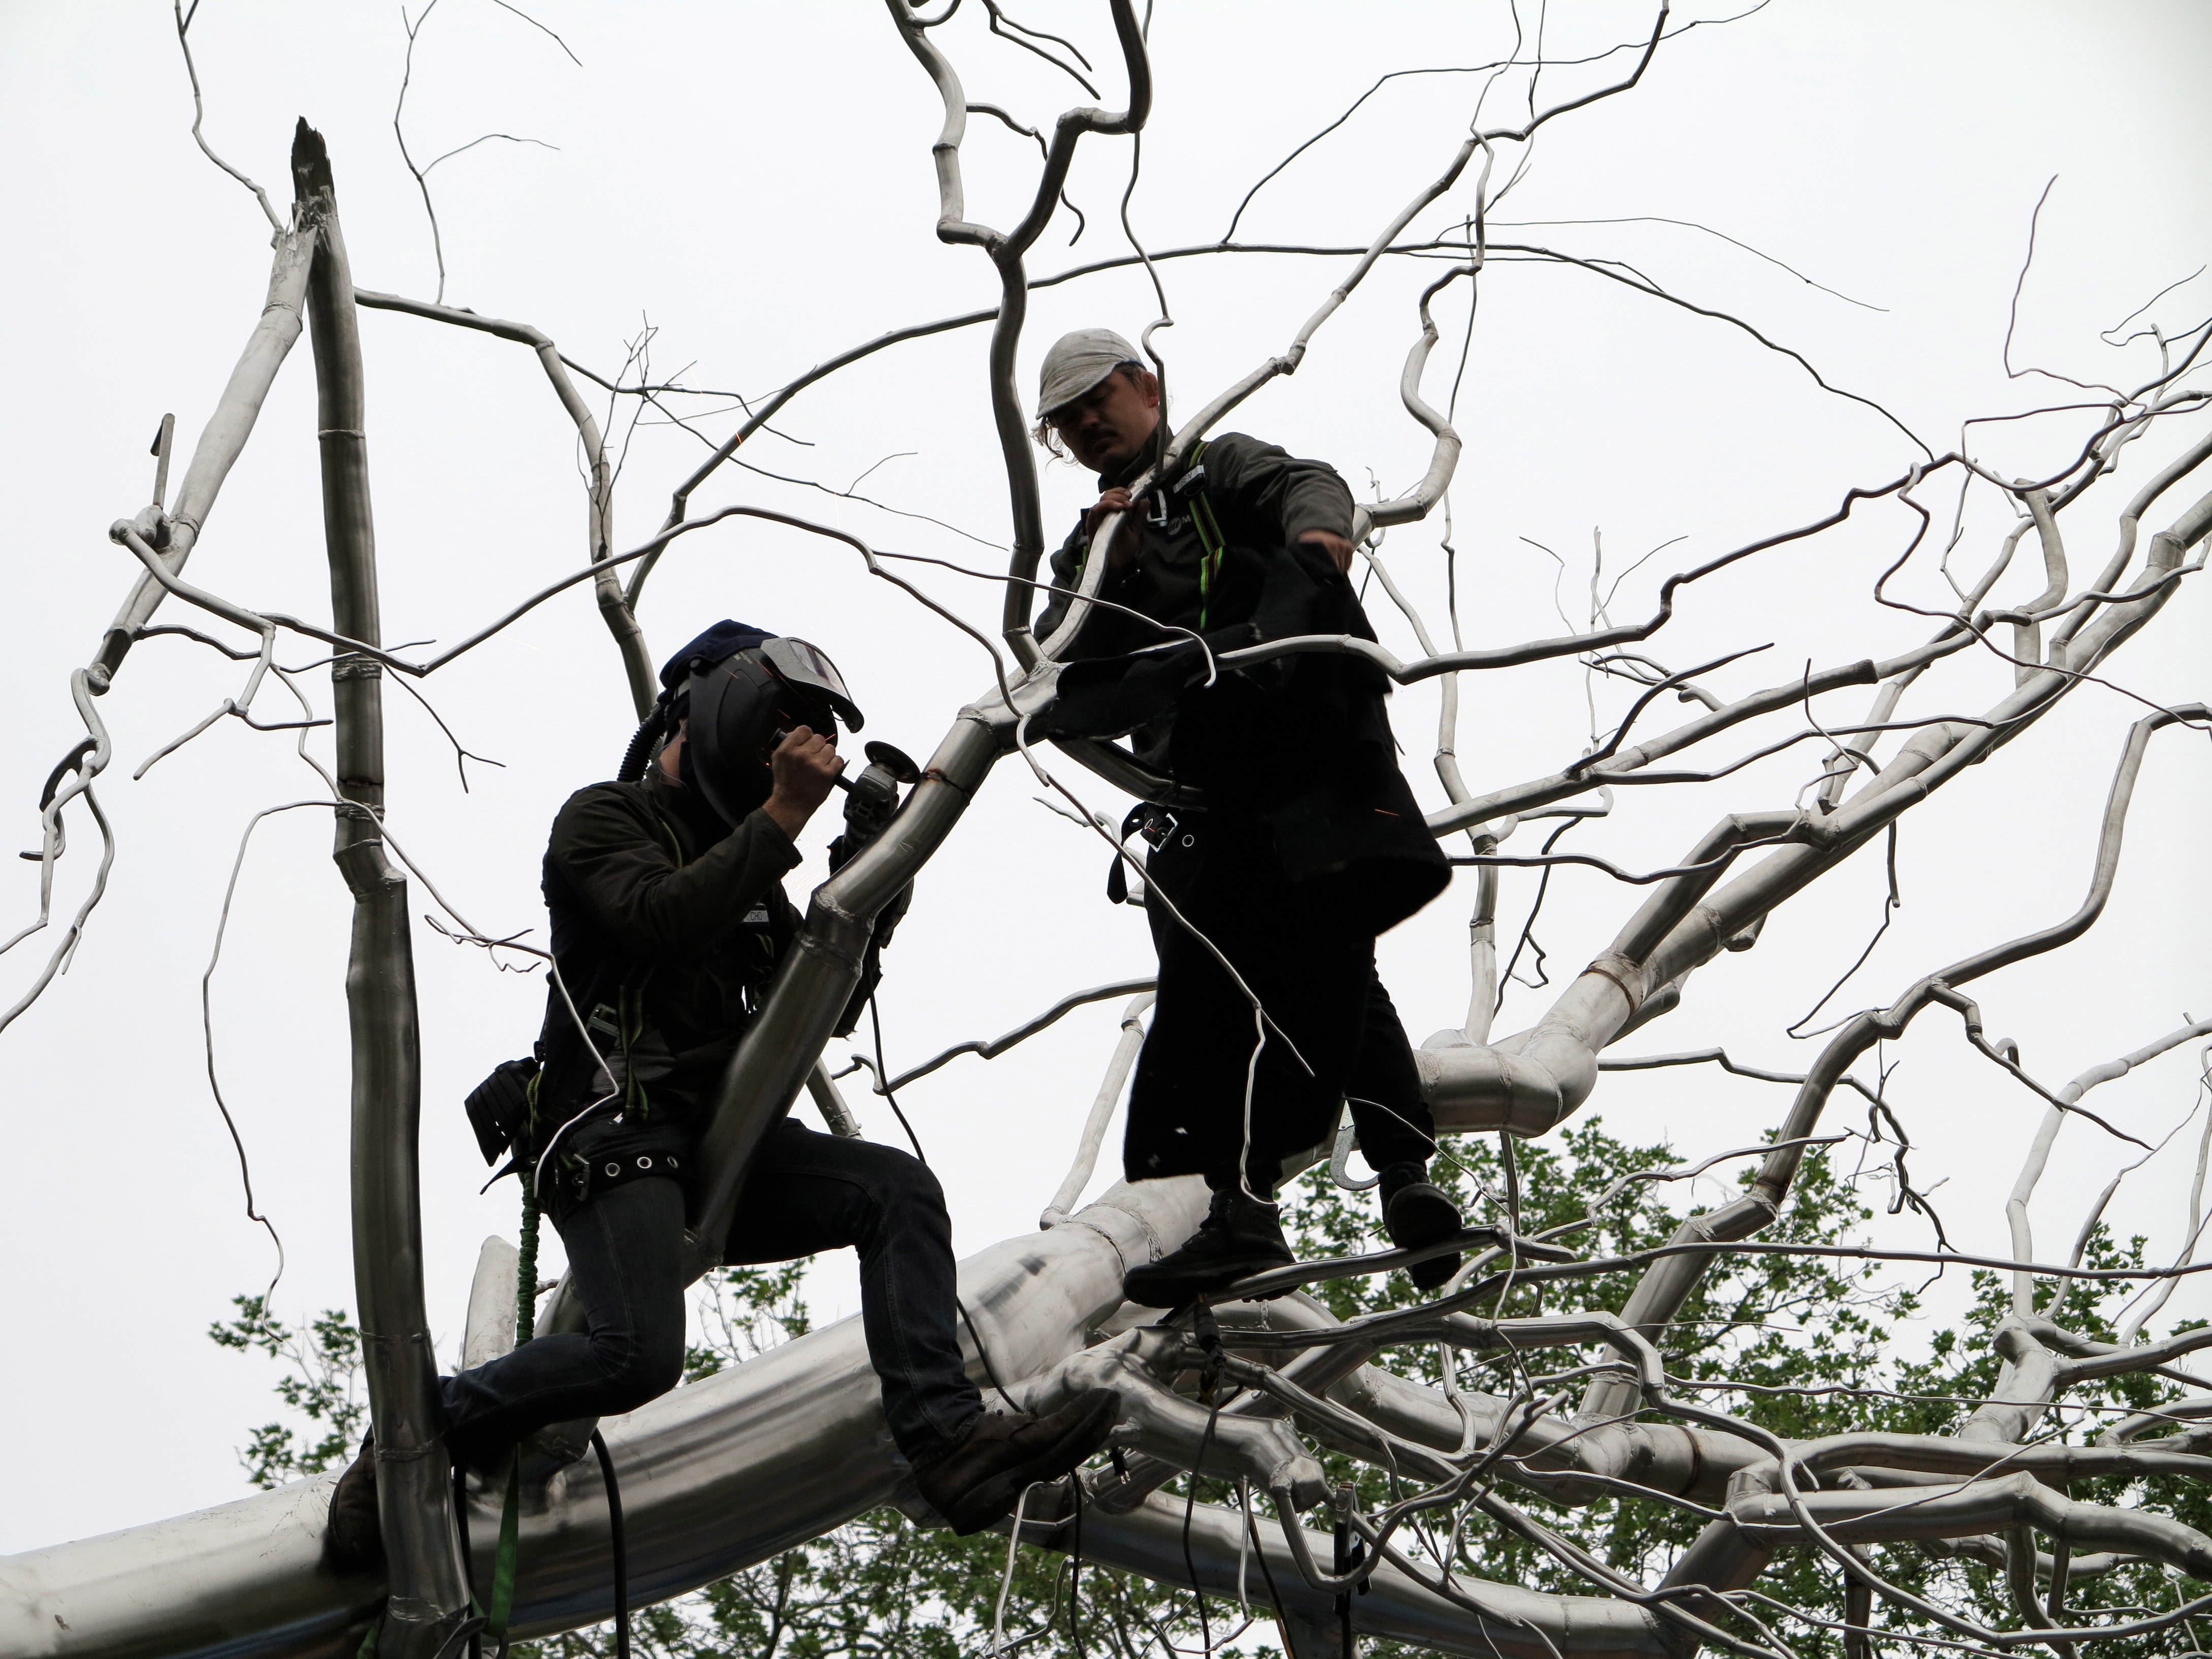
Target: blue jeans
[807,1192]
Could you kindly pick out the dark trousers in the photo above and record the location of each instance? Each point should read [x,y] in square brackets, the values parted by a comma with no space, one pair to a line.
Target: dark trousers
[806,1193]
[1333,1034]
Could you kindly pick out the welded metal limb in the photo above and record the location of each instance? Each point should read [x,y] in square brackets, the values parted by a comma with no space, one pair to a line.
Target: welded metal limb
[1530,1082]
[220,440]
[2023,1235]
[1504,1621]
[427,1596]
[1102,1112]
[220,443]
[600,510]
[1006,250]
[1667,1284]
[729,1472]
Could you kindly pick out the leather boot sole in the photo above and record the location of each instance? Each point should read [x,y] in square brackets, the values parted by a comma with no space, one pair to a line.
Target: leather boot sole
[1423,1214]
[1168,1284]
[355,1540]
[996,1496]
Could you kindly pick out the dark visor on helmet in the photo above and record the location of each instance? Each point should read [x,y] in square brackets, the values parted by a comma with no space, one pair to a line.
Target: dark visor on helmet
[808,671]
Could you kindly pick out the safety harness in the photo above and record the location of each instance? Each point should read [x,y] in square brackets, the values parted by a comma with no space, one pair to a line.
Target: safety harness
[1191,486]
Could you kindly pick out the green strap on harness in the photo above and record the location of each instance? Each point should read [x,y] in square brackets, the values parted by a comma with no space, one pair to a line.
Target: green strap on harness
[1210,540]
[526,1272]
[498,1616]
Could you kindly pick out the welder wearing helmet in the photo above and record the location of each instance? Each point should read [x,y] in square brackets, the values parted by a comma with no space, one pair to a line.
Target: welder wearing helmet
[668,922]
[1309,844]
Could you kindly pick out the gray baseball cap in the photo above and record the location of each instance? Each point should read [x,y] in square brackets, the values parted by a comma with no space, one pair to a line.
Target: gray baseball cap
[1079,361]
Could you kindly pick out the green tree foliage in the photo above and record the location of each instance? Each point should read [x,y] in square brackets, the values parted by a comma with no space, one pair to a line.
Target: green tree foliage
[1961,1369]
[1803,1346]
[324,1387]
[1773,1321]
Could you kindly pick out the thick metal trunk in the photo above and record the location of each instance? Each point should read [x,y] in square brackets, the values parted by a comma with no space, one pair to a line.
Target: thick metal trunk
[414,1479]
[715,1476]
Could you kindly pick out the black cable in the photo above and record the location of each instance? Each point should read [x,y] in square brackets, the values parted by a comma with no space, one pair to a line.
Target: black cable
[640,752]
[882,1072]
[468,1561]
[1075,1574]
[983,1353]
[884,1079]
[621,1552]
[1344,1563]
[470,1630]
[1190,1508]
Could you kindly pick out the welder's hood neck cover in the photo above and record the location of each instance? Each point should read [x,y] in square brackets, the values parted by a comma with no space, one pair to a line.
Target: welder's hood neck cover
[739,687]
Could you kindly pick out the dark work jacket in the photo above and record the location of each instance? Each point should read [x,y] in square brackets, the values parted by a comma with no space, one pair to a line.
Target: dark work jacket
[667,926]
[1263,497]
[1295,757]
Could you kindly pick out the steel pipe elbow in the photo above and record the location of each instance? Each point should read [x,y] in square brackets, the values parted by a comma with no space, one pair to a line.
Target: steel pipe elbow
[1472,1086]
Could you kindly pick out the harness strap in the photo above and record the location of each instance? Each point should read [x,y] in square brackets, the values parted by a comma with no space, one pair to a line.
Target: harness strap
[500,1612]
[1210,538]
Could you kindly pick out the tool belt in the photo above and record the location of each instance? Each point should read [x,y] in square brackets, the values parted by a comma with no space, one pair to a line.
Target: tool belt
[1156,823]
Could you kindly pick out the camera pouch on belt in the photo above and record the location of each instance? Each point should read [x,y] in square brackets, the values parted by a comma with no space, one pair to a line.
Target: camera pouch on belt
[500,1105]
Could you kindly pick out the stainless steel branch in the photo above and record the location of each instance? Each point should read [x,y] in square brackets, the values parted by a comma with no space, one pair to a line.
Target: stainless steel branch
[599,498]
[1668,1284]
[1202,423]
[1443,457]
[1102,1112]
[1530,1082]
[220,443]
[1625,765]
[428,1597]
[2038,1154]
[2130,523]
[1730,1554]
[1483,1621]
[992,1049]
[1006,250]
[2027,636]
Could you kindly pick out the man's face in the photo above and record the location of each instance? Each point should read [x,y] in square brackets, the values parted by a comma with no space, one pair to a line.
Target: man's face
[1108,425]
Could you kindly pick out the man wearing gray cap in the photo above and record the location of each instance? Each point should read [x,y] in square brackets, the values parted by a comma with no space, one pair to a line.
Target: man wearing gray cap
[1309,843]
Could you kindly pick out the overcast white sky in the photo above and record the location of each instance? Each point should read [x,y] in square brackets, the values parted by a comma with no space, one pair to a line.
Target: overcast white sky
[753,181]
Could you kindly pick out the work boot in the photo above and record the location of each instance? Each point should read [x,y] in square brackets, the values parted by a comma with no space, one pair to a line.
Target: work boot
[1417,1212]
[356,1539]
[980,1480]
[1240,1237]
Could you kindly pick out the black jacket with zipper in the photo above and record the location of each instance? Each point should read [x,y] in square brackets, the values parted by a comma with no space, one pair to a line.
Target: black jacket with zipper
[1295,757]
[667,926]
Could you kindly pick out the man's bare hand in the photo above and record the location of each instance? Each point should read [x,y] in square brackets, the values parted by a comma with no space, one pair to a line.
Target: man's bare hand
[1116,500]
[803,766]
[1333,545]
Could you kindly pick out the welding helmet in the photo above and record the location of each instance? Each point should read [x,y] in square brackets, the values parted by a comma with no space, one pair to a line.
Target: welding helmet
[740,705]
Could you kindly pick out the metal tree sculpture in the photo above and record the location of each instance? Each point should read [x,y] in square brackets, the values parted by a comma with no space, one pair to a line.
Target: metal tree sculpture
[728,1472]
